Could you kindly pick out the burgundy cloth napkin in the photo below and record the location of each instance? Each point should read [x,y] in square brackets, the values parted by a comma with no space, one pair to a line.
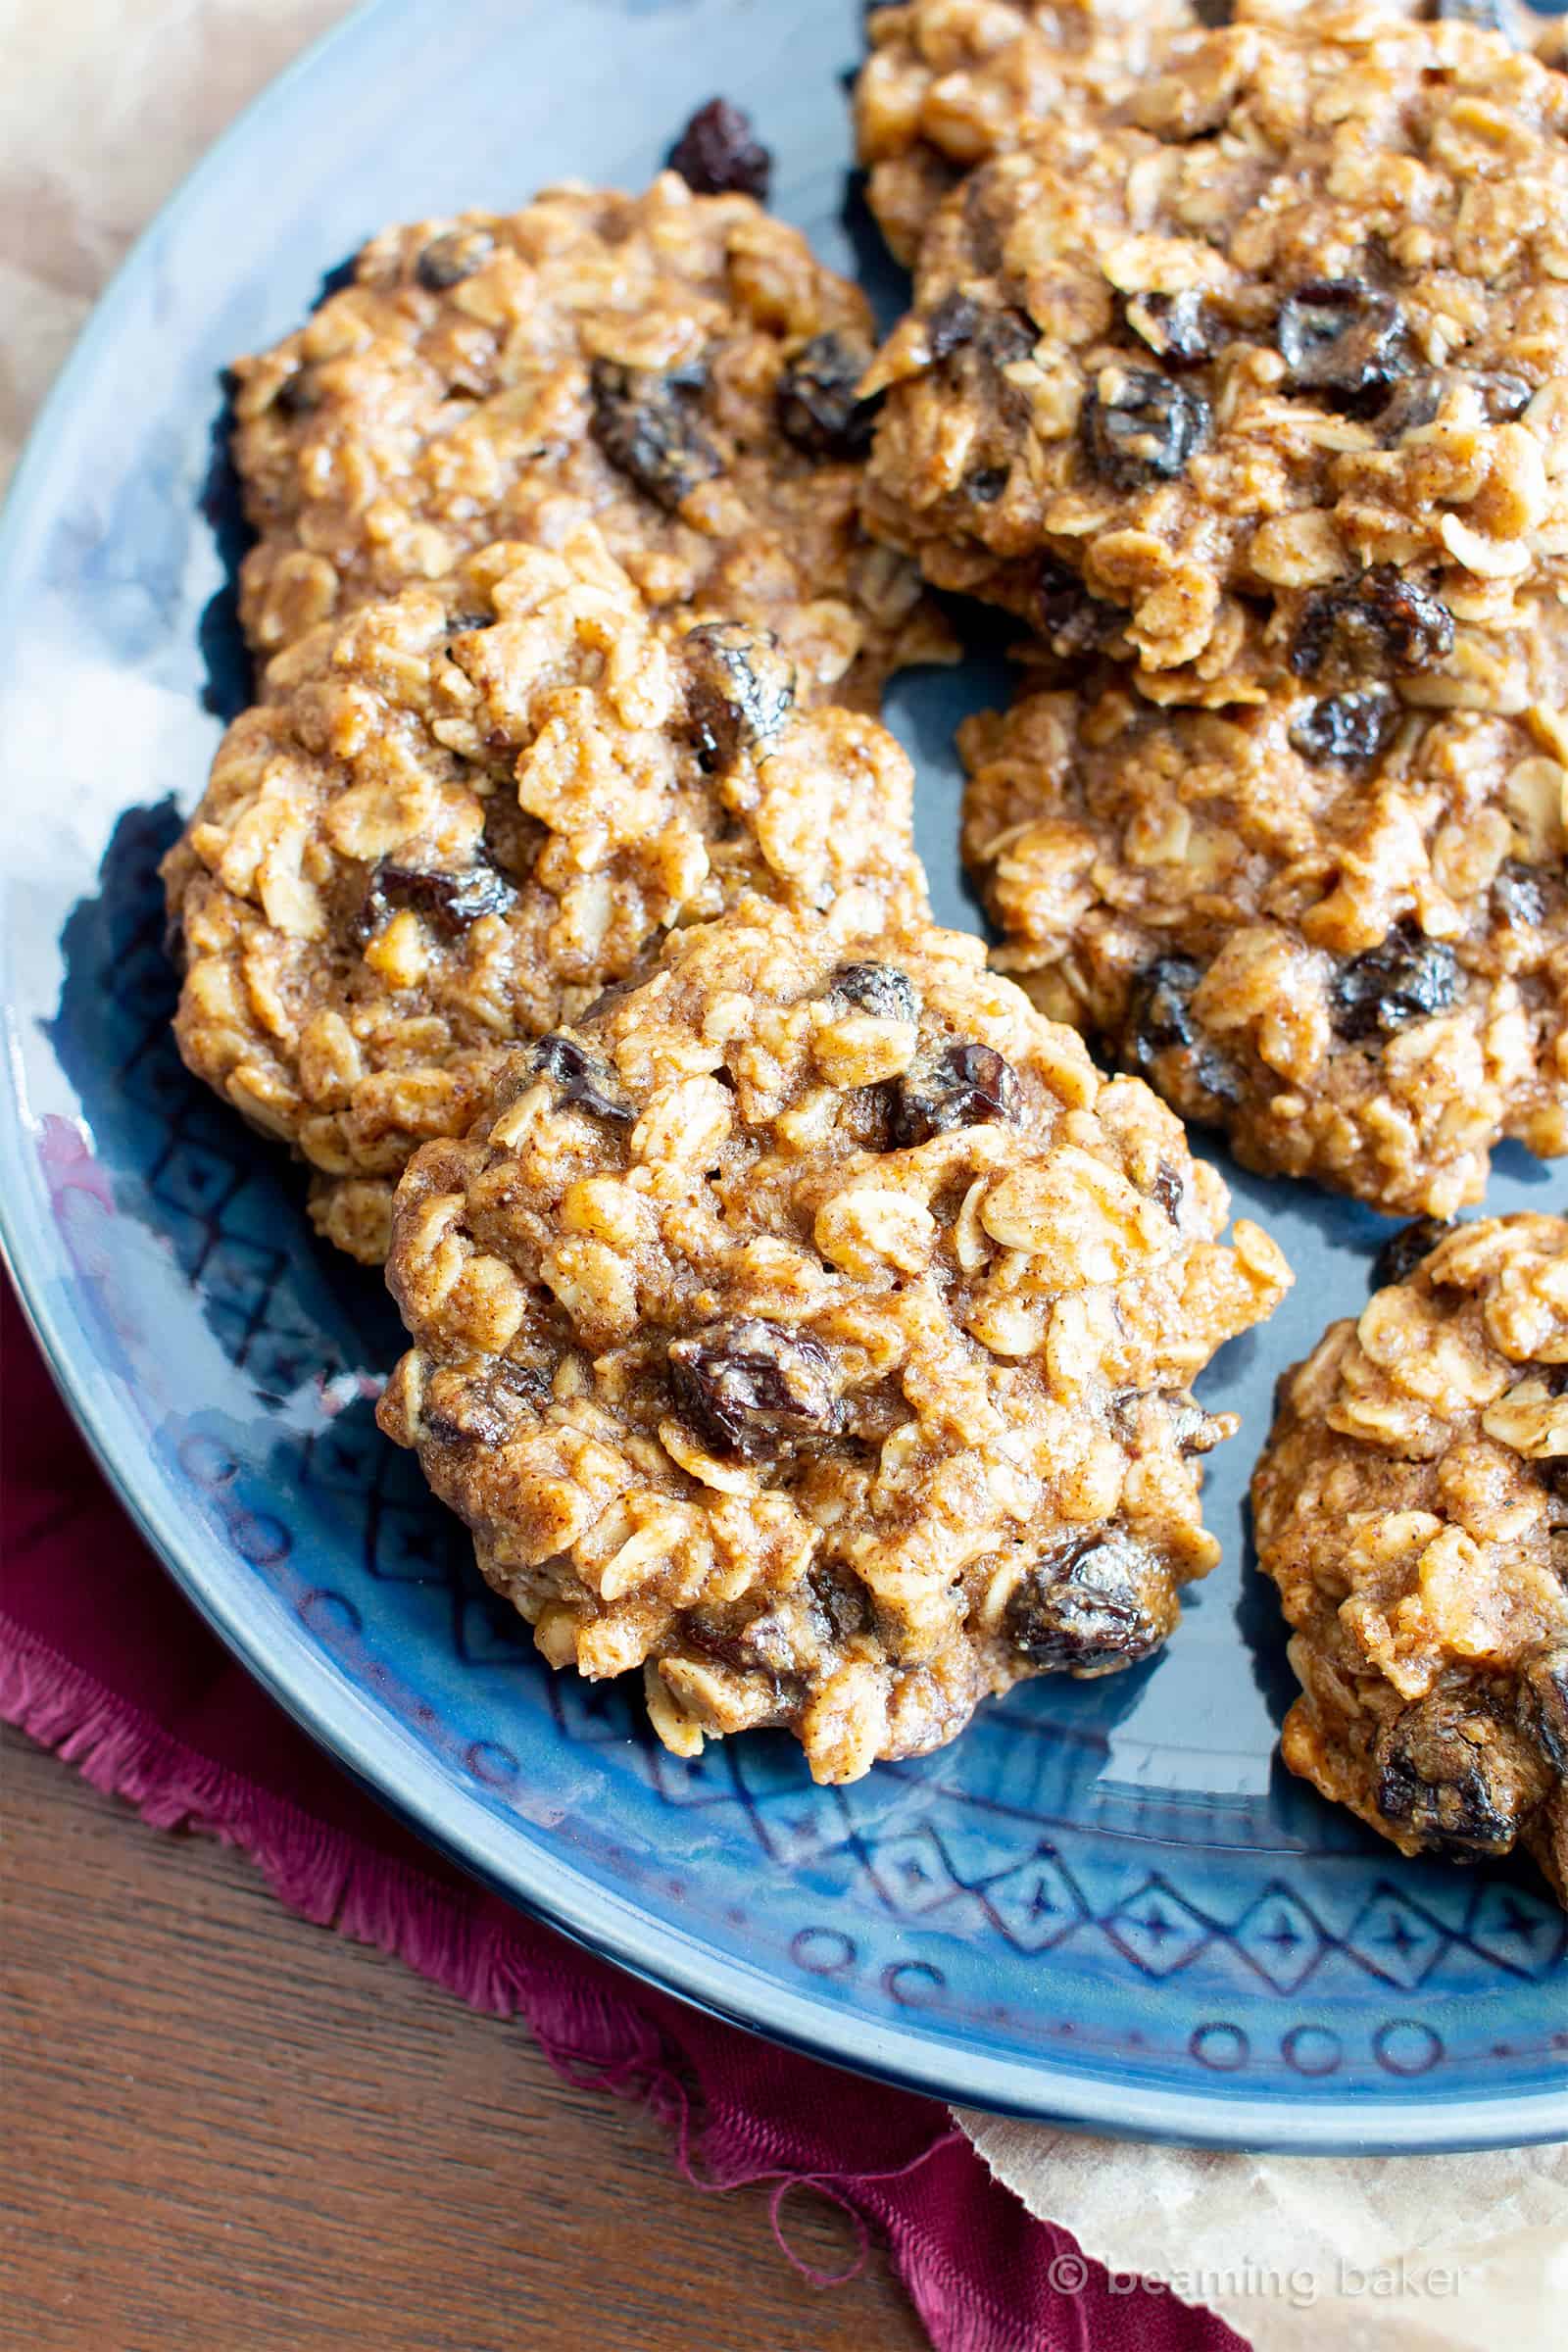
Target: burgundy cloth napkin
[102,1659]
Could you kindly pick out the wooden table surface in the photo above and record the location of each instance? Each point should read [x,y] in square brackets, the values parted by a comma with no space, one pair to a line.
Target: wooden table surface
[227,2130]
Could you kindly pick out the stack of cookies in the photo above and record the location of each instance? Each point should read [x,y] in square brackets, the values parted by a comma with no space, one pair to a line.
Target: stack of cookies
[1237,370]
[799,1314]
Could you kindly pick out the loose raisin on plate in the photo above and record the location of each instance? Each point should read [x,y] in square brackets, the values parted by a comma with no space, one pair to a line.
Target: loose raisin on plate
[1343,338]
[1139,427]
[1404,1251]
[879,989]
[718,154]
[750,1387]
[1160,1020]
[1084,1608]
[1542,1703]
[582,1077]
[1454,1775]
[965,1085]
[452,257]
[818,411]
[453,902]
[1353,727]
[644,424]
[1377,622]
[739,689]
[1405,978]
[1182,329]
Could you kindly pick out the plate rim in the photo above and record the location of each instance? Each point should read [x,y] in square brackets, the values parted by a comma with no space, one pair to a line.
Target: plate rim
[388,1760]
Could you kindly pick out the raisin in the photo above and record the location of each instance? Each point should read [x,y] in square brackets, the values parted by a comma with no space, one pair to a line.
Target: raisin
[1542,1703]
[452,901]
[1191,1429]
[1351,727]
[1084,1607]
[451,258]
[1179,328]
[817,409]
[1163,1013]
[986,484]
[1170,1190]
[750,1387]
[965,1085]
[456,1412]
[718,154]
[1139,427]
[1403,1252]
[843,1605]
[1006,336]
[643,423]
[739,689]
[1001,336]
[462,623]
[1416,400]
[1502,395]
[299,393]
[1405,978]
[1519,894]
[1160,1020]
[1343,338]
[1451,1772]
[880,988]
[1376,622]
[582,1078]
[955,321]
[1068,617]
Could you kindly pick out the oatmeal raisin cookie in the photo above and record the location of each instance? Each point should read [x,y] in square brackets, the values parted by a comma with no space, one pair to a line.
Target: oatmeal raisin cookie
[678,368]
[461,814]
[812,1326]
[1412,1507]
[1333,926]
[948,84]
[1263,375]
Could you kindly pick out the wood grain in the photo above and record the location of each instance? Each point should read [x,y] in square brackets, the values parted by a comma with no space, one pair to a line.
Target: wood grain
[226,2131]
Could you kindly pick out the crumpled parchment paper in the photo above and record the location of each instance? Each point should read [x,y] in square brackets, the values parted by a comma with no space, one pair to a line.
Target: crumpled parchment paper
[1316,2254]
[103,106]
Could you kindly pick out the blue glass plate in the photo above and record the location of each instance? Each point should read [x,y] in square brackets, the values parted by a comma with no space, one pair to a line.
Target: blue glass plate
[1105,1904]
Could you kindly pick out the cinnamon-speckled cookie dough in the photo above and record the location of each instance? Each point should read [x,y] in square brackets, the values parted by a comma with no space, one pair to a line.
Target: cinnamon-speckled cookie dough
[1273,363]
[461,814]
[678,368]
[951,82]
[813,1327]
[1412,1507]
[1334,927]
